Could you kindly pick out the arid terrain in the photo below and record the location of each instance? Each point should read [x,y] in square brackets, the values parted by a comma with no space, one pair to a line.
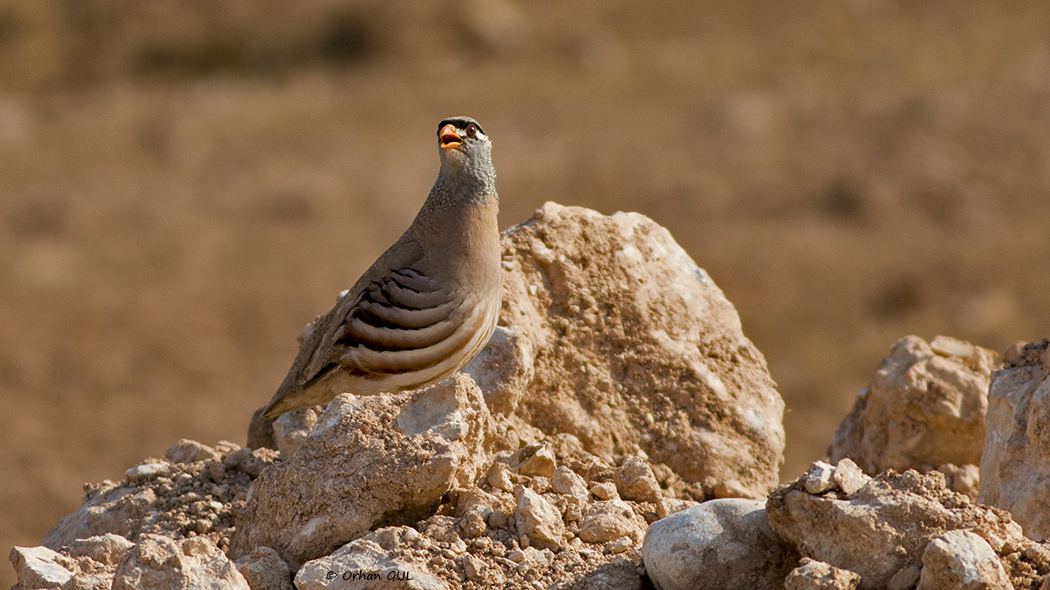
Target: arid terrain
[184,188]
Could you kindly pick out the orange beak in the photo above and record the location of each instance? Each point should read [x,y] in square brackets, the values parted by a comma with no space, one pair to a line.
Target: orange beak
[449,138]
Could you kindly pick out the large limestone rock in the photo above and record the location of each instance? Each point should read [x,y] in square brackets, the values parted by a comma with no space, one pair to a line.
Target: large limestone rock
[1015,468]
[718,545]
[883,530]
[370,461]
[613,334]
[924,408]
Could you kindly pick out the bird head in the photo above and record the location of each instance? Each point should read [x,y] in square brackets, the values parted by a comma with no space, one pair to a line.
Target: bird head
[463,143]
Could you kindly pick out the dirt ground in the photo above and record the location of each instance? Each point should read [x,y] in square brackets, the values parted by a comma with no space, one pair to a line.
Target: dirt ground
[183,186]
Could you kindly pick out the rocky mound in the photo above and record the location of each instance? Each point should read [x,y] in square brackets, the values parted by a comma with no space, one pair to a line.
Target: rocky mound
[617,432]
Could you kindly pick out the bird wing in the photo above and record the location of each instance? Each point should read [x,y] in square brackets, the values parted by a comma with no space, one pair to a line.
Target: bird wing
[397,322]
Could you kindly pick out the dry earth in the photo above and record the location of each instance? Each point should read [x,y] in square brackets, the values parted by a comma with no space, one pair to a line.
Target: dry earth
[181,197]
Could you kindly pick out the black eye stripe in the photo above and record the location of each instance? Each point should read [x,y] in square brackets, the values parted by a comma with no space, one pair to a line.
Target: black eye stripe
[461,123]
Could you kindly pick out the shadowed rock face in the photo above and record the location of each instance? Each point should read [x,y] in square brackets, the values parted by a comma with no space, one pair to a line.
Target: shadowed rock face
[1015,467]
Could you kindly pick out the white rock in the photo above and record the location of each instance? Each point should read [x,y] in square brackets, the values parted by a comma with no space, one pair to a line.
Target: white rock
[149,470]
[40,567]
[718,545]
[848,477]
[961,560]
[818,478]
[583,285]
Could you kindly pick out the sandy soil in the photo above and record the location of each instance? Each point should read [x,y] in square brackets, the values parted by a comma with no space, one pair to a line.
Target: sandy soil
[179,200]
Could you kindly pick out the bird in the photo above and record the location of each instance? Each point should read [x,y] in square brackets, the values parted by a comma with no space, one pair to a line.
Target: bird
[427,306]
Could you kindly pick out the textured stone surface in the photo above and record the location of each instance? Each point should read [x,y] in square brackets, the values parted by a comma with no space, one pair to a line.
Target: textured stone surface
[160,563]
[718,545]
[881,530]
[632,347]
[263,569]
[538,520]
[961,560]
[1015,468]
[609,520]
[40,567]
[817,575]
[196,494]
[369,459]
[925,407]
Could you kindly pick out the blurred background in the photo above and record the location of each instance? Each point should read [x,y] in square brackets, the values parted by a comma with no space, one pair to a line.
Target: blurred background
[184,184]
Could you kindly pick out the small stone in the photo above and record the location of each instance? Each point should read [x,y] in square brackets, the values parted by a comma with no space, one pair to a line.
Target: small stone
[609,520]
[667,506]
[849,477]
[474,568]
[819,478]
[817,575]
[472,525]
[541,463]
[573,512]
[537,519]
[567,482]
[497,519]
[160,562]
[254,464]
[214,471]
[107,549]
[636,481]
[605,491]
[713,546]
[234,458]
[540,484]
[149,470]
[905,579]
[517,556]
[499,477]
[190,451]
[619,545]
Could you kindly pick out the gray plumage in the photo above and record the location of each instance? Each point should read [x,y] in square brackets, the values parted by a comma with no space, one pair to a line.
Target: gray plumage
[427,305]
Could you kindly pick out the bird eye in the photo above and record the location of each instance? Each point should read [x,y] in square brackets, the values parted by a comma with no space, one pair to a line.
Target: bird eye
[472,130]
